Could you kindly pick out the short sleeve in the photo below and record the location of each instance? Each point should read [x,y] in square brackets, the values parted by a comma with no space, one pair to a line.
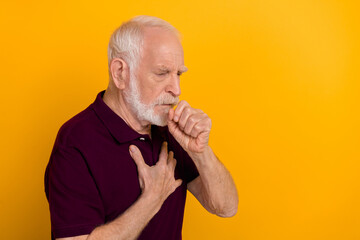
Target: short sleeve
[75,203]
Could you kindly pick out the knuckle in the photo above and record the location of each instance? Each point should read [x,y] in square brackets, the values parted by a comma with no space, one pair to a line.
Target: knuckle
[197,127]
[162,168]
[183,102]
[191,120]
[166,154]
[187,110]
[194,134]
[167,175]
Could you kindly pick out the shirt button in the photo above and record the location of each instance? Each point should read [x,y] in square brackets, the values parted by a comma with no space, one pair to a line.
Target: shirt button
[142,139]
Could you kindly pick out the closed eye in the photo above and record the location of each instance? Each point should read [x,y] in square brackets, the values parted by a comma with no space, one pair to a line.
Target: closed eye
[161,73]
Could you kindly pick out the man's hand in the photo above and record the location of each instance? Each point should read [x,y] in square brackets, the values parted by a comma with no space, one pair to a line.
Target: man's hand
[190,127]
[214,187]
[156,182]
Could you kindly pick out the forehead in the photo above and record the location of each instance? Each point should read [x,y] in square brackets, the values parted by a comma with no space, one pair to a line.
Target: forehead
[162,48]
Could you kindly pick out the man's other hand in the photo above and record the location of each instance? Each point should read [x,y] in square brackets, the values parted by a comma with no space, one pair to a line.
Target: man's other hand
[156,182]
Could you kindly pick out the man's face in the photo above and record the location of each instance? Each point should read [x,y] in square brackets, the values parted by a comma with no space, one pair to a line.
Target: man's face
[155,88]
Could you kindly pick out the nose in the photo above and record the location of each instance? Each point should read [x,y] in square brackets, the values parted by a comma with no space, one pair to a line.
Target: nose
[173,86]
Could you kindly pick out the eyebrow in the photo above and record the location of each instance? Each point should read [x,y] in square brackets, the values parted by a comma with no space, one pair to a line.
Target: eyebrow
[164,68]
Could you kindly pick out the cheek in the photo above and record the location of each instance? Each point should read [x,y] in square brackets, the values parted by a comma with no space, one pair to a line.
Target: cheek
[150,89]
[151,94]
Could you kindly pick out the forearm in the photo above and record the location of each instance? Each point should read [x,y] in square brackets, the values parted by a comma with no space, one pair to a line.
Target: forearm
[218,190]
[130,224]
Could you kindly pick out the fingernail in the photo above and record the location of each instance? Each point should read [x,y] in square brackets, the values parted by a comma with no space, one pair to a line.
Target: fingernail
[132,148]
[176,118]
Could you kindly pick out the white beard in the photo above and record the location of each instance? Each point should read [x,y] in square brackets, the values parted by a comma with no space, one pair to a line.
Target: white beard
[146,111]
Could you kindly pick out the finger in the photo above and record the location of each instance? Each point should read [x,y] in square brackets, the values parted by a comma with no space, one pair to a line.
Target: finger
[202,126]
[170,157]
[163,153]
[186,113]
[191,121]
[171,114]
[180,107]
[137,156]
[172,163]
[196,130]
[177,133]
[177,184]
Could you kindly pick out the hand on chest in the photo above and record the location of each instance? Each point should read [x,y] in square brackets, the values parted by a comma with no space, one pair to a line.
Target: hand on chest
[116,176]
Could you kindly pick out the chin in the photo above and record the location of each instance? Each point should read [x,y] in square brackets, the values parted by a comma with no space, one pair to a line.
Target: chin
[160,120]
[161,125]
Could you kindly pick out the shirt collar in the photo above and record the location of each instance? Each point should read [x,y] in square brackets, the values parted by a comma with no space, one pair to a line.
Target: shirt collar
[116,125]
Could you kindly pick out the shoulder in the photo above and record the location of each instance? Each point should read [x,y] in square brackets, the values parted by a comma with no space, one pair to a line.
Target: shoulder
[77,128]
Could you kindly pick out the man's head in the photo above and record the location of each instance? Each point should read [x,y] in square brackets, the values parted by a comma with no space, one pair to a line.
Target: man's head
[145,61]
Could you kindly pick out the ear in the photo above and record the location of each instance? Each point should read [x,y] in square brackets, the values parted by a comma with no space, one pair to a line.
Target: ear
[119,72]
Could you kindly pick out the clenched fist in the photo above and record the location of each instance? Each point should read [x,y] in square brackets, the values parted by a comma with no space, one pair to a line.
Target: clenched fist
[190,127]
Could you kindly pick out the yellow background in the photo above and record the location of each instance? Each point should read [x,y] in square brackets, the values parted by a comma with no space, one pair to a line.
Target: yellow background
[280,80]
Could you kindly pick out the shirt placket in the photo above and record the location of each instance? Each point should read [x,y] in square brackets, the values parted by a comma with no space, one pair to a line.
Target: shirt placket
[147,150]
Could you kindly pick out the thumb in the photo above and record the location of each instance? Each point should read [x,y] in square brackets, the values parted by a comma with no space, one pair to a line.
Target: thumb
[173,126]
[136,156]
[171,114]
[176,131]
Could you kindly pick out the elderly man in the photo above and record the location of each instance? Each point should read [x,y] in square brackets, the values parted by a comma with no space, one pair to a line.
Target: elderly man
[121,168]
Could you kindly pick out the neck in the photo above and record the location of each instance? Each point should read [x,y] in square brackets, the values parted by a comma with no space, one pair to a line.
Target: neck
[115,101]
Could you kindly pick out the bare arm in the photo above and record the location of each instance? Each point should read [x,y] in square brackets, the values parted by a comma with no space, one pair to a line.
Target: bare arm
[157,183]
[127,226]
[214,188]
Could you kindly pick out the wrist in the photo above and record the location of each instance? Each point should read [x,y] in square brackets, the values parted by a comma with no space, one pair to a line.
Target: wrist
[199,157]
[151,200]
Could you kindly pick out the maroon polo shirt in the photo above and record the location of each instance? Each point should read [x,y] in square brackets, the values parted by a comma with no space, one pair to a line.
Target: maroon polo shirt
[91,178]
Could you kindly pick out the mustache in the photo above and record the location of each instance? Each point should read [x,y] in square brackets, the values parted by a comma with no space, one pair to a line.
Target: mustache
[166,99]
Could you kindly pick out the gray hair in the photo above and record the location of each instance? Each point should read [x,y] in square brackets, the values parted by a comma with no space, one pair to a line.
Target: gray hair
[126,41]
